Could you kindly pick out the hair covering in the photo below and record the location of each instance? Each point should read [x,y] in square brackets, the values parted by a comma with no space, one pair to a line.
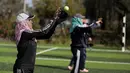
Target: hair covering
[75,22]
[21,25]
[78,15]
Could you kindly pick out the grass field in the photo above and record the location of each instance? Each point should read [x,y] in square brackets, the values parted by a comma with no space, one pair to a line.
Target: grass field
[56,59]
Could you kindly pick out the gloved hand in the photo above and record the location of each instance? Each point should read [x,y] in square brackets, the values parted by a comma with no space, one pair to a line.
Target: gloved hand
[62,16]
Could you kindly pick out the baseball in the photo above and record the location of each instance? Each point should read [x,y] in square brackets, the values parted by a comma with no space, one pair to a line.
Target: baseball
[66,8]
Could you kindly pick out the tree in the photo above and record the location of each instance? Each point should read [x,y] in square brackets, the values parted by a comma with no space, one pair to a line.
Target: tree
[8,11]
[47,8]
[76,6]
[112,12]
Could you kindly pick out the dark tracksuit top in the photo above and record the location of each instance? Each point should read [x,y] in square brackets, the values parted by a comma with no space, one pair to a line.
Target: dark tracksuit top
[79,35]
[27,46]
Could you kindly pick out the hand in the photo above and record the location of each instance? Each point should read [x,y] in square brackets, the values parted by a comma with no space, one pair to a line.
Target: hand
[100,20]
[89,39]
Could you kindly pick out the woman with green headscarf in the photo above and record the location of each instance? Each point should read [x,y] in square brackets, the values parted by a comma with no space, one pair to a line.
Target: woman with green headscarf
[79,42]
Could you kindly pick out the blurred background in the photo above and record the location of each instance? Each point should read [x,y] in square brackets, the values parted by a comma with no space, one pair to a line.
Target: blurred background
[112,12]
[53,55]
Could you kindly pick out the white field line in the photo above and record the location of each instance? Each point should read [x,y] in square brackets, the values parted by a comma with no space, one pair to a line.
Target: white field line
[69,60]
[7,45]
[67,48]
[102,50]
[105,62]
[92,49]
[126,51]
[46,50]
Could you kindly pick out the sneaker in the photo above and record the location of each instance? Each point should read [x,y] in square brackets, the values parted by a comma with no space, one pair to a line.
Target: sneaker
[84,70]
[70,67]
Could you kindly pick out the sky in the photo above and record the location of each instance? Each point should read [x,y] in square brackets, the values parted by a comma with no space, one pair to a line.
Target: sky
[29,2]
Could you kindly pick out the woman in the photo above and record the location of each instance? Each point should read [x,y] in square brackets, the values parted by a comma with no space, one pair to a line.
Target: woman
[26,40]
[79,32]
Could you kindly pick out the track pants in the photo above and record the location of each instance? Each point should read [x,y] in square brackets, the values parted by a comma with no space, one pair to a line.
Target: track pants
[79,55]
[16,70]
[71,61]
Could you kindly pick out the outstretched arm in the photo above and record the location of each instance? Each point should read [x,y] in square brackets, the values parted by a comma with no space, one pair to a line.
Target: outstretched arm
[47,31]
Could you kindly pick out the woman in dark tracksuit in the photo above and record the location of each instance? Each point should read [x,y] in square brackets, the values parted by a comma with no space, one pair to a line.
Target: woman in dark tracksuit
[26,40]
[88,36]
[78,33]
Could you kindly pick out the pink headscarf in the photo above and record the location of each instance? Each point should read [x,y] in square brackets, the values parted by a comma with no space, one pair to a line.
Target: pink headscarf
[20,27]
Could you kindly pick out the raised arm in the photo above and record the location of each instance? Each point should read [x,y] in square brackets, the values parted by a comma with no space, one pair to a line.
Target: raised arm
[47,31]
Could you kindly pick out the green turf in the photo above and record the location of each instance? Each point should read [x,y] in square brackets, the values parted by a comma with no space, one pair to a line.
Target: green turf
[109,55]
[92,55]
[88,64]
[108,59]
[49,67]
[6,66]
[6,72]
[8,57]
[8,54]
[8,49]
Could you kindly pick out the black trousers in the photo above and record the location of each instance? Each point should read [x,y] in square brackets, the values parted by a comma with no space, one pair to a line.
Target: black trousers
[17,70]
[79,57]
[71,61]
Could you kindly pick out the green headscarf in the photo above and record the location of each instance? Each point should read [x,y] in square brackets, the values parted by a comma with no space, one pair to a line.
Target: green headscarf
[75,22]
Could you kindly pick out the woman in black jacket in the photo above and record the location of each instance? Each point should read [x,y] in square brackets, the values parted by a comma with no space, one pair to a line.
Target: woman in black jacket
[78,33]
[26,37]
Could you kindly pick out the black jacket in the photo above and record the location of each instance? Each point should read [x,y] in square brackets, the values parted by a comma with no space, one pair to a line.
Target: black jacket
[27,46]
[79,36]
